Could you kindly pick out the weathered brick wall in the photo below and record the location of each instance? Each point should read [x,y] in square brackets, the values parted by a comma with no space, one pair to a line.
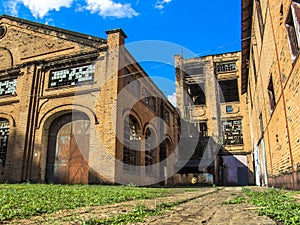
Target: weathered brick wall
[214,112]
[35,50]
[272,57]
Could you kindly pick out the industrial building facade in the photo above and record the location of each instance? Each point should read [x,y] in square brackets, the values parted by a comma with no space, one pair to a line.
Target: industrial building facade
[208,97]
[270,78]
[61,116]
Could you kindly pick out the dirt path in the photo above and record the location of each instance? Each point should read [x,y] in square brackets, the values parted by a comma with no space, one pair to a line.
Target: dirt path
[202,206]
[209,210]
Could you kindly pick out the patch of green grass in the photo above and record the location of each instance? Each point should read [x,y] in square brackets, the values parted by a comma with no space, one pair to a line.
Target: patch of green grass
[236,200]
[276,204]
[138,214]
[26,200]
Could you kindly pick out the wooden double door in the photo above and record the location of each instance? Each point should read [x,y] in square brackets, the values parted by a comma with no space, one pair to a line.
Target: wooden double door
[68,150]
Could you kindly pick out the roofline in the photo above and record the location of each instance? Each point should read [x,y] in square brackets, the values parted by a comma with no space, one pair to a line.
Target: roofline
[247,12]
[218,54]
[59,30]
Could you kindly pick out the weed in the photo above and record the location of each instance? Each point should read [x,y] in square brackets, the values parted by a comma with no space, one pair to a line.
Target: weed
[276,204]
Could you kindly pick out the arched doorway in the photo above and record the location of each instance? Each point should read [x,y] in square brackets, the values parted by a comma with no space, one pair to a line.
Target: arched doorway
[68,149]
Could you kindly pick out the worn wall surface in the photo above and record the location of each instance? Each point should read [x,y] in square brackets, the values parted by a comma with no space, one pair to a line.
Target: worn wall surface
[271,59]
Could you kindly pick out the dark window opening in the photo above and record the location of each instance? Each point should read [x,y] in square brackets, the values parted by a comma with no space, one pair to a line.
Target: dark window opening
[4,132]
[271,95]
[149,100]
[229,89]
[203,132]
[292,27]
[232,131]
[261,125]
[197,93]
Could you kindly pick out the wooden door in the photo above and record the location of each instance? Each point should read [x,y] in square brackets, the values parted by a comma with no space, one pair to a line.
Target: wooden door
[67,159]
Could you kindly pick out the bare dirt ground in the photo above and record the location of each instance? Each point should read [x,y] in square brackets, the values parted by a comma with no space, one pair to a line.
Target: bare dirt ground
[201,206]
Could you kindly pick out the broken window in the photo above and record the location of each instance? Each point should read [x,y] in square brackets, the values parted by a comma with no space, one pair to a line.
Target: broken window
[194,68]
[222,67]
[292,27]
[8,87]
[271,95]
[260,18]
[197,93]
[4,132]
[132,142]
[72,76]
[202,128]
[229,90]
[232,131]
[149,100]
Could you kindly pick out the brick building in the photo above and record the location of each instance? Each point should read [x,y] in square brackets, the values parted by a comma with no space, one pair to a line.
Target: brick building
[208,96]
[270,79]
[78,109]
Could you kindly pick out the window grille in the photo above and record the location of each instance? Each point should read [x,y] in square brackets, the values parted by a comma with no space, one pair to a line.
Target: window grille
[8,87]
[232,131]
[72,76]
[226,67]
[4,132]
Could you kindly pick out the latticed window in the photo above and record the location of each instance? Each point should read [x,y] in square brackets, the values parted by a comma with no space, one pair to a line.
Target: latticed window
[232,131]
[131,142]
[8,87]
[72,76]
[4,132]
[226,67]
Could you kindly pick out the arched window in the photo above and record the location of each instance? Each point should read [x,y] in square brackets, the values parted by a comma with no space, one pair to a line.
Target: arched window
[132,139]
[150,150]
[4,132]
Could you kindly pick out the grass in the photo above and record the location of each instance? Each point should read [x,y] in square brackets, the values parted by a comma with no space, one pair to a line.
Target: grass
[26,200]
[276,204]
[138,214]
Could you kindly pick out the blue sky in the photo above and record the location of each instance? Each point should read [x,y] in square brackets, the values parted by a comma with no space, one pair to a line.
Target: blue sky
[191,27]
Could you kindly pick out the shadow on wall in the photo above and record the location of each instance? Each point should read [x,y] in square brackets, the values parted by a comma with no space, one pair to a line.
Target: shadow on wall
[234,169]
[213,164]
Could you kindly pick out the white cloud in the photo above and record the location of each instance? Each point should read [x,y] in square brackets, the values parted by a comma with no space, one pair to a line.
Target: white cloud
[12,7]
[109,8]
[160,4]
[172,99]
[39,8]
